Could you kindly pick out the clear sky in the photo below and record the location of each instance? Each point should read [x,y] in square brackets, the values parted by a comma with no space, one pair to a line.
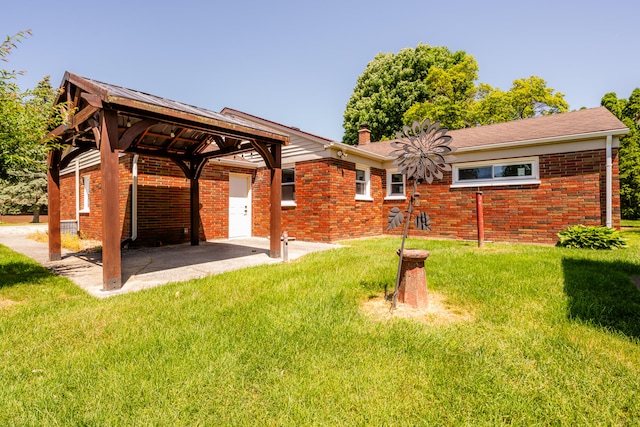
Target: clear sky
[297,62]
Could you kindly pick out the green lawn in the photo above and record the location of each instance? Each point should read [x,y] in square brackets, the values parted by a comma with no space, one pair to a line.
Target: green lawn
[554,340]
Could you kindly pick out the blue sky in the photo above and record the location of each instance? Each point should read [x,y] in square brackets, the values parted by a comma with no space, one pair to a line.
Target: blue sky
[296,62]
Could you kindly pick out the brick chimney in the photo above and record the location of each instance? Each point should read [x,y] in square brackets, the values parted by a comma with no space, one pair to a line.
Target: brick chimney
[364,134]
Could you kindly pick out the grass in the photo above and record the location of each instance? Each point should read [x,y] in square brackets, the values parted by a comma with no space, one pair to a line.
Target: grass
[555,340]
[68,241]
[630,223]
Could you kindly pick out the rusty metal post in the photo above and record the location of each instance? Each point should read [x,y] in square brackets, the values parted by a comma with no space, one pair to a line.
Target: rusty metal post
[480,219]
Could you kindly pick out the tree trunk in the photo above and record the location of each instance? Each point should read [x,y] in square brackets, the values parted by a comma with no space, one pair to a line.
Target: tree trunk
[36,215]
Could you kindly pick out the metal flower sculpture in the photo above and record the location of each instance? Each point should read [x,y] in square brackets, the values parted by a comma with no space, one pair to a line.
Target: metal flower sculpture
[423,153]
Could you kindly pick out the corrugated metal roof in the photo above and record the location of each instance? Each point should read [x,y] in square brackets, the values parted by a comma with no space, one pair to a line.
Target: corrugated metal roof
[122,92]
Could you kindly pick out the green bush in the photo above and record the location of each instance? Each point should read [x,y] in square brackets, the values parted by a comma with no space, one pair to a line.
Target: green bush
[590,237]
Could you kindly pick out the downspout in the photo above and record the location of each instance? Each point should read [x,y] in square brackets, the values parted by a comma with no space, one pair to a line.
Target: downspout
[134,198]
[134,203]
[77,195]
[609,182]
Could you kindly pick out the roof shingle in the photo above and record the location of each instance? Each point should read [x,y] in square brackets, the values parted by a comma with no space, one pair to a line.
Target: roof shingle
[581,122]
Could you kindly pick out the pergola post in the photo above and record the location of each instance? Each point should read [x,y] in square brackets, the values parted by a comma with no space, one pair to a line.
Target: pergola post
[111,233]
[195,210]
[53,187]
[275,224]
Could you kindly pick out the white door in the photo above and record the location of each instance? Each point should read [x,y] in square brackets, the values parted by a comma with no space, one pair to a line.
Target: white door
[239,206]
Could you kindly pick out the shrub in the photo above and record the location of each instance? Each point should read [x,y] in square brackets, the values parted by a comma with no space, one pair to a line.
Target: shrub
[590,237]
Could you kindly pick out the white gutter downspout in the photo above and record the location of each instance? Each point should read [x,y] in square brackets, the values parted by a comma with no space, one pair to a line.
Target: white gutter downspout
[134,198]
[77,195]
[609,182]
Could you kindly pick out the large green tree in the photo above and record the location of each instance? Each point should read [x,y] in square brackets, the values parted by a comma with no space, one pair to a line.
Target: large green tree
[390,84]
[25,118]
[483,104]
[453,94]
[628,111]
[432,82]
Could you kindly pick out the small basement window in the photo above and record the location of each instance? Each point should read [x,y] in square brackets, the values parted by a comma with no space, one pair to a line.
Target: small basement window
[496,172]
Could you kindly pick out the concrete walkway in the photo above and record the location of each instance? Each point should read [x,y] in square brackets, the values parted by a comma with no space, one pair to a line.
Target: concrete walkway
[145,268]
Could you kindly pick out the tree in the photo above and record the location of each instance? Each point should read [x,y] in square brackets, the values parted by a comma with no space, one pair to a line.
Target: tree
[25,192]
[453,93]
[484,104]
[434,83]
[25,118]
[628,111]
[23,180]
[390,84]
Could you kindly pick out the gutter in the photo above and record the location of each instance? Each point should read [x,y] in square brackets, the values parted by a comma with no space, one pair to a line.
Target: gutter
[134,203]
[609,182]
[550,140]
[77,177]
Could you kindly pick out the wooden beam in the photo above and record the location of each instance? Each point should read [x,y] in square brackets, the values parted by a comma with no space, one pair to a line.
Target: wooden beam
[74,121]
[53,184]
[192,120]
[111,233]
[86,85]
[72,155]
[275,221]
[138,129]
[265,153]
[92,99]
[194,194]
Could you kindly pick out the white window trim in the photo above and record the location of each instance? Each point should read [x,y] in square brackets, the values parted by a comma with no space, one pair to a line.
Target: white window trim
[493,182]
[367,178]
[86,192]
[289,203]
[390,196]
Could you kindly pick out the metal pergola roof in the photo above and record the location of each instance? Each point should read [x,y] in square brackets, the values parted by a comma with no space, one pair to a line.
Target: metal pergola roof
[155,126]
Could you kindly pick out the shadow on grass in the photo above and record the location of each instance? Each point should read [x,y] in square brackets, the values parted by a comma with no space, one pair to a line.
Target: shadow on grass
[16,272]
[603,294]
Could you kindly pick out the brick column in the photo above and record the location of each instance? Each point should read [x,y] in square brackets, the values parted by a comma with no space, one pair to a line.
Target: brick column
[413,279]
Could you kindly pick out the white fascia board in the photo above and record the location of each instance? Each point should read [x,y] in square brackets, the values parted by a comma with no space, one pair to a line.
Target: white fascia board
[230,162]
[350,149]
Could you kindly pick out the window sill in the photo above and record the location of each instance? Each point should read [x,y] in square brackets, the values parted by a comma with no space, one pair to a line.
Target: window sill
[364,198]
[496,183]
[84,211]
[396,198]
[288,204]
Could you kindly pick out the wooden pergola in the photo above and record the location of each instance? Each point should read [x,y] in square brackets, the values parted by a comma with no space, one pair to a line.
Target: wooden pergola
[113,119]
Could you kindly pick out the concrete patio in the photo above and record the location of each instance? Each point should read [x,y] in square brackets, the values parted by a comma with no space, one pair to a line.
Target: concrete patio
[145,268]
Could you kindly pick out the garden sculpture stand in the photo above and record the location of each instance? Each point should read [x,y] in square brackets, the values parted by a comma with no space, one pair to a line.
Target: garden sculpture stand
[420,151]
[413,279]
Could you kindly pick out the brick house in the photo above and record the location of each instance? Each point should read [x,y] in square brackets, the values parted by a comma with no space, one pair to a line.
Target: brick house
[537,176]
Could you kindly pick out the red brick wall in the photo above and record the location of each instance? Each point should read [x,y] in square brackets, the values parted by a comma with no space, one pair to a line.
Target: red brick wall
[91,222]
[326,209]
[163,201]
[572,191]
